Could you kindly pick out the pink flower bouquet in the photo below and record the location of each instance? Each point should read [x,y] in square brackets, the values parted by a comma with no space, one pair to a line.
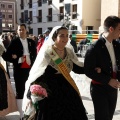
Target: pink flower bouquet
[37,93]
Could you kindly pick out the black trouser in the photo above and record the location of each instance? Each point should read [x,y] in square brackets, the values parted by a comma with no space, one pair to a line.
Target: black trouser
[104,100]
[20,77]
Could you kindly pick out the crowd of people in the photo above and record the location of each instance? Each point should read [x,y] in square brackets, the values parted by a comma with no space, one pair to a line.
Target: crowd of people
[49,58]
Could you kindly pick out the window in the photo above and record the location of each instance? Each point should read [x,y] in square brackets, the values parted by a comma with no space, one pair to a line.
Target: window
[3,24]
[49,17]
[10,16]
[9,6]
[30,31]
[44,1]
[22,17]
[22,4]
[50,28]
[40,31]
[74,28]
[49,2]
[74,11]
[61,1]
[39,15]
[30,15]
[61,16]
[3,16]
[39,3]
[30,3]
[89,29]
[2,5]
[67,8]
[25,16]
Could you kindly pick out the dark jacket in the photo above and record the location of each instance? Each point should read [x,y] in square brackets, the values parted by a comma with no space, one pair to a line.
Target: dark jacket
[73,43]
[82,42]
[16,47]
[98,56]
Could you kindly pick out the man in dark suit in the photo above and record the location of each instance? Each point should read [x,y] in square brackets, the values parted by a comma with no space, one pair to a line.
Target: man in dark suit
[73,43]
[81,44]
[102,63]
[22,53]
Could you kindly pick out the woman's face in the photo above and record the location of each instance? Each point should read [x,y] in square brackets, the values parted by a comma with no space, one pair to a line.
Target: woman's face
[62,38]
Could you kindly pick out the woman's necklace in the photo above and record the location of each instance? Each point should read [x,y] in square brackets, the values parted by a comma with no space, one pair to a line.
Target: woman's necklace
[60,52]
[58,48]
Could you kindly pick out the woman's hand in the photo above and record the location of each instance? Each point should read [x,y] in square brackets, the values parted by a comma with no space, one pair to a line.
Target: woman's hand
[29,103]
[14,56]
[98,70]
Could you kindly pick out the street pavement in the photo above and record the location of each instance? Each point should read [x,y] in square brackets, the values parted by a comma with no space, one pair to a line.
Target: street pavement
[83,84]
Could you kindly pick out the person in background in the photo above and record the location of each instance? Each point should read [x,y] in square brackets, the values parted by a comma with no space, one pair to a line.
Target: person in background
[14,35]
[30,36]
[35,39]
[104,54]
[82,43]
[6,41]
[27,34]
[64,102]
[40,42]
[22,53]
[38,36]
[46,34]
[10,37]
[73,43]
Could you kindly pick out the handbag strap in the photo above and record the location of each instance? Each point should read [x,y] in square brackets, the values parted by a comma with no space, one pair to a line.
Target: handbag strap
[63,69]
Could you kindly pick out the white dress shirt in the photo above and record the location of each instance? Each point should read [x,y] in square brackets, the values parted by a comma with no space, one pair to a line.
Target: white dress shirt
[25,51]
[110,48]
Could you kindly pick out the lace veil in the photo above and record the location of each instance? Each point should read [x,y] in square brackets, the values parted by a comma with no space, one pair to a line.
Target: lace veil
[42,60]
[40,63]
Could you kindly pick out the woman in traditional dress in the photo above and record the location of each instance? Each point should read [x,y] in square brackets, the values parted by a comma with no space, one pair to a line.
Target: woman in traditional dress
[54,62]
[7,97]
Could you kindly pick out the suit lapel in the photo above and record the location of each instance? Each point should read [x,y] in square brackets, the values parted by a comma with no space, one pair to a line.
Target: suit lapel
[19,42]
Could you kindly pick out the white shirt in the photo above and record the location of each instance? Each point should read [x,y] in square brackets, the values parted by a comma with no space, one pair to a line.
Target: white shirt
[25,46]
[25,51]
[110,48]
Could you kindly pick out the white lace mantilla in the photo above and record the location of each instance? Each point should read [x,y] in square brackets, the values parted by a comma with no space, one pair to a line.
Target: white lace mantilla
[68,60]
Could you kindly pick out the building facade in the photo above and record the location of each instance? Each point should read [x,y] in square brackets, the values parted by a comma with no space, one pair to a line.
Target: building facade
[77,15]
[8,15]
[91,16]
[111,8]
[42,14]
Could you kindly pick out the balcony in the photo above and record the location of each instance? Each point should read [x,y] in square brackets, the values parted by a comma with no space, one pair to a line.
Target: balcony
[21,20]
[61,16]
[49,18]
[39,18]
[74,15]
[49,2]
[22,6]
[39,3]
[30,5]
